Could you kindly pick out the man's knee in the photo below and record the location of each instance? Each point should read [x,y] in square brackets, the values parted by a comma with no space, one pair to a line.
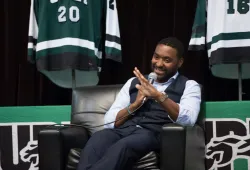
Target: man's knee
[94,144]
[101,134]
[102,138]
[121,145]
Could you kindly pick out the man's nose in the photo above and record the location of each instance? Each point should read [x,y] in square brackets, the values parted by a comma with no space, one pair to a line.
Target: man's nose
[159,63]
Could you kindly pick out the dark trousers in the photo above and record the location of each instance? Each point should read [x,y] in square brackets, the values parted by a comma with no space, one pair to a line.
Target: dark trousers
[117,149]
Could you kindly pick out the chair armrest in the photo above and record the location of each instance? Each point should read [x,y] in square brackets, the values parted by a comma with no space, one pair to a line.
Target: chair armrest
[173,141]
[182,147]
[195,148]
[54,144]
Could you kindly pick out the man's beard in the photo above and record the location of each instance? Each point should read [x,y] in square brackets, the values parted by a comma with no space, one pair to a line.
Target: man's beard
[167,73]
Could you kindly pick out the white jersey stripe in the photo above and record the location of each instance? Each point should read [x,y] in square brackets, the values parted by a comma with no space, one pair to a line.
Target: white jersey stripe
[228,44]
[68,41]
[197,41]
[31,46]
[113,45]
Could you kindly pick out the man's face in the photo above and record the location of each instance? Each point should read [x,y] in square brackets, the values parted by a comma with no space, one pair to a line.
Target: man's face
[165,62]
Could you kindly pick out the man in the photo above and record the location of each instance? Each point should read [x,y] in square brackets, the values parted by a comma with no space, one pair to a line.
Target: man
[171,98]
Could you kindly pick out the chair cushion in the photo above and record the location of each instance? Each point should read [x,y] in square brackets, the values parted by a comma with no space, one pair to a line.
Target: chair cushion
[148,162]
[73,158]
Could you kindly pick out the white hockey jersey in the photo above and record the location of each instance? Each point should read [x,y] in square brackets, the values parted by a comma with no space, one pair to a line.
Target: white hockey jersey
[222,28]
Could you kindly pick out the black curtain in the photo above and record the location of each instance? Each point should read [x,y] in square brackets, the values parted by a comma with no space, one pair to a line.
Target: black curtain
[142,24]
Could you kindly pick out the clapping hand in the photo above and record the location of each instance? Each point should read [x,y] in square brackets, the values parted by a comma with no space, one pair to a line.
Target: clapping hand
[145,88]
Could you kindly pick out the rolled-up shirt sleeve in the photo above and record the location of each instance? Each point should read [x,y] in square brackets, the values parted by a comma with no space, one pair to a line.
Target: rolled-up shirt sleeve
[189,106]
[122,100]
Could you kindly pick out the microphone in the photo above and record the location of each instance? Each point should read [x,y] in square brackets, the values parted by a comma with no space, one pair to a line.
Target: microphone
[151,78]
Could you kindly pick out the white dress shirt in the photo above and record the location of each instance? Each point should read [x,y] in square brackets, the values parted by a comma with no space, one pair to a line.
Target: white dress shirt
[189,106]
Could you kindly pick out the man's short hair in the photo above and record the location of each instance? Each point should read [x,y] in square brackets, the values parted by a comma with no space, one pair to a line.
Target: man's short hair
[174,43]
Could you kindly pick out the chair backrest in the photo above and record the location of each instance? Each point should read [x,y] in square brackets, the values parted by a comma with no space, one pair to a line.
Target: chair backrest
[89,104]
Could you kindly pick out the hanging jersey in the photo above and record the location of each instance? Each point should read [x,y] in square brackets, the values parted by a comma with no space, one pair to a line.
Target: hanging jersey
[222,28]
[73,34]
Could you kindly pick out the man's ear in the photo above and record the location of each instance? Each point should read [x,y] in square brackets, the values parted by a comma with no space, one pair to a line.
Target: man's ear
[181,61]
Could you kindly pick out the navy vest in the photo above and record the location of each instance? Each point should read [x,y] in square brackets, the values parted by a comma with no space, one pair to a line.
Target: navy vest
[151,115]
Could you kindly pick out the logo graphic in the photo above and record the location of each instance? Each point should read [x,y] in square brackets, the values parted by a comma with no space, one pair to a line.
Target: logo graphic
[29,154]
[227,140]
[19,146]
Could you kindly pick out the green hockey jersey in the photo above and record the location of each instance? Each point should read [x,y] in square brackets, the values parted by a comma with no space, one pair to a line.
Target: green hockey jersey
[73,34]
[222,28]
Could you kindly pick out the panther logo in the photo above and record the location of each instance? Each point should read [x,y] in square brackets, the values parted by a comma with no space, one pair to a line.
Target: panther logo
[222,151]
[30,154]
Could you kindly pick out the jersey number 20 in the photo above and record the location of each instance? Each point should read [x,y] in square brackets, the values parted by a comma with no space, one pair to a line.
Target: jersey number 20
[73,14]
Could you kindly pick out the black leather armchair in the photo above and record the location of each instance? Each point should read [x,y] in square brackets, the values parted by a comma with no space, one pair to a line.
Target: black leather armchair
[59,147]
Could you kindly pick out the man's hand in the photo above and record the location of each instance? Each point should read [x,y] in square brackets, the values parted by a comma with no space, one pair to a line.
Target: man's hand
[148,90]
[145,89]
[139,99]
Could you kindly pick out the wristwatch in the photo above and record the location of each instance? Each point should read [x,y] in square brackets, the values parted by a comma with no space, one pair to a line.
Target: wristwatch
[164,96]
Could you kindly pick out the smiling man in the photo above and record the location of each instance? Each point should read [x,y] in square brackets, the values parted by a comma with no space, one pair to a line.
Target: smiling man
[138,122]
[167,60]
